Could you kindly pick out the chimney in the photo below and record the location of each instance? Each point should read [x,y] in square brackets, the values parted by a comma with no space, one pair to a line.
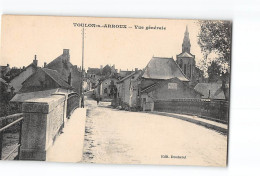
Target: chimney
[66,53]
[35,61]
[45,64]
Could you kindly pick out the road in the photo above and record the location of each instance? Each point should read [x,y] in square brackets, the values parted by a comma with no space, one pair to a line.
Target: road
[120,137]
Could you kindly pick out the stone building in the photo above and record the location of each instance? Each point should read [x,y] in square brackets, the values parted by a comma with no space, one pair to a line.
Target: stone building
[187,63]
[128,89]
[45,79]
[107,88]
[4,70]
[163,79]
[71,73]
[43,83]
[16,82]
[211,90]
[96,75]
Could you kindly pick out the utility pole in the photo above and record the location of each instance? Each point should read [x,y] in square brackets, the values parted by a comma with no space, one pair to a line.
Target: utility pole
[82,71]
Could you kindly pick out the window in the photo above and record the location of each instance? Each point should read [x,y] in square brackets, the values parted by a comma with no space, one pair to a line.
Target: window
[180,64]
[190,70]
[172,86]
[185,65]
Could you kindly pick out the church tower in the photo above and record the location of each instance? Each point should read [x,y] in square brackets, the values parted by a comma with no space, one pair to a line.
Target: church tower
[185,59]
[186,42]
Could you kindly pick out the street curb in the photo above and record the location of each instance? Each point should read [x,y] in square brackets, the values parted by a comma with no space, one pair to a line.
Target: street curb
[207,125]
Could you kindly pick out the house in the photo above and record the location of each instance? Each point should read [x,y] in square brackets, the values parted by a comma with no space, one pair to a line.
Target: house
[106,88]
[211,90]
[4,70]
[124,73]
[45,79]
[128,90]
[16,81]
[14,71]
[43,83]
[93,76]
[93,72]
[163,79]
[70,73]
[109,70]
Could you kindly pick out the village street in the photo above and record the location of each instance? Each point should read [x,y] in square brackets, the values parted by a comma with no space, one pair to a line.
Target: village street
[121,137]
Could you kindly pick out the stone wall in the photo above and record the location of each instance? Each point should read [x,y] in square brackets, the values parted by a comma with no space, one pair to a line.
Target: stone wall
[43,120]
[217,110]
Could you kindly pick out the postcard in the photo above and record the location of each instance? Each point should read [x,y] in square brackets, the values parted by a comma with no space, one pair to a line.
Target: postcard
[115,90]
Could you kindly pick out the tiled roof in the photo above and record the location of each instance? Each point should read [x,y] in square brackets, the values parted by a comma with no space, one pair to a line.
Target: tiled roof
[128,76]
[57,78]
[31,65]
[215,90]
[93,71]
[2,80]
[163,68]
[124,73]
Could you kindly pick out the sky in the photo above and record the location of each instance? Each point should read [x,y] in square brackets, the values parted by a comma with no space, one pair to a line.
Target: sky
[22,37]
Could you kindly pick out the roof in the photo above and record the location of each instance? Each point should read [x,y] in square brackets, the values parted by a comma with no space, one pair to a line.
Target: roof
[216,91]
[61,65]
[31,65]
[163,68]
[4,70]
[123,73]
[93,71]
[128,76]
[57,78]
[2,80]
[185,54]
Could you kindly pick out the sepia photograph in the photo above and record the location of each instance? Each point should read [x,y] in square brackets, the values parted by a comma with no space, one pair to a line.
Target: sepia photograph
[115,90]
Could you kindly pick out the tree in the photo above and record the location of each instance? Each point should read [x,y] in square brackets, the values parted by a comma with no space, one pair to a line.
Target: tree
[215,37]
[214,72]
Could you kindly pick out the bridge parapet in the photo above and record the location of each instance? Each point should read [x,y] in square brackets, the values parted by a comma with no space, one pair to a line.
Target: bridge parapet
[43,120]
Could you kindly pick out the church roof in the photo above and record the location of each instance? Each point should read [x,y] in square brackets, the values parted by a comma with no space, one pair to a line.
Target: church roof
[163,68]
[185,54]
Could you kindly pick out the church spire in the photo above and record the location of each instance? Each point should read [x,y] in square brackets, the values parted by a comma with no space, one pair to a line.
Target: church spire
[186,42]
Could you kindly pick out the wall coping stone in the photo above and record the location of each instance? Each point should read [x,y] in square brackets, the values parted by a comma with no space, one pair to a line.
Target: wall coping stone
[42,105]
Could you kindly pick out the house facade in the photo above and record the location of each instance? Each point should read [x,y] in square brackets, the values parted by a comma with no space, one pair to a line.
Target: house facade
[163,79]
[45,79]
[128,89]
[71,73]
[106,88]
[16,82]
[211,90]
[4,70]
